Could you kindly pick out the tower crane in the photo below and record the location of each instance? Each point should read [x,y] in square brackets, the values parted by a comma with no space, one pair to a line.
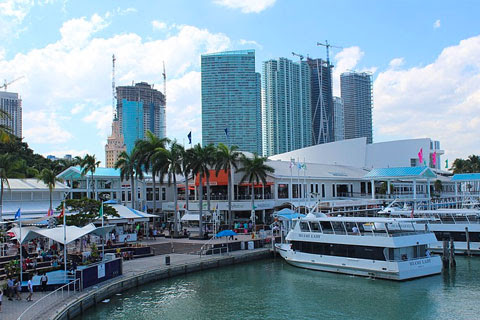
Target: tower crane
[164,74]
[6,84]
[301,56]
[327,47]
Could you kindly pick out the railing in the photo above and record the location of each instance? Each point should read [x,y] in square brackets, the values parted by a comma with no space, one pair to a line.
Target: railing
[64,291]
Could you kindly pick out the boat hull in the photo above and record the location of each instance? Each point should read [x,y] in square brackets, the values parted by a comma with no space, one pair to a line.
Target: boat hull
[391,270]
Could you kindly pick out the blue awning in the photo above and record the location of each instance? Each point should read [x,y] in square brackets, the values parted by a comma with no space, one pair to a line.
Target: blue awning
[460,177]
[400,173]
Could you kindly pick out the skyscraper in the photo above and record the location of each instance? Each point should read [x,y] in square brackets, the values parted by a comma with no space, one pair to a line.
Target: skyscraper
[338,119]
[357,98]
[140,108]
[115,145]
[11,104]
[322,100]
[286,106]
[231,104]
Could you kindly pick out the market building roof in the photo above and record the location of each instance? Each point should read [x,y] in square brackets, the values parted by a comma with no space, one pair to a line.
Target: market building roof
[400,173]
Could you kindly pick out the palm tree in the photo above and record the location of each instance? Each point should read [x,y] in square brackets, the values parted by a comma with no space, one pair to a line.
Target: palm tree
[128,165]
[227,159]
[90,164]
[255,171]
[5,131]
[210,153]
[146,156]
[199,165]
[8,169]
[48,177]
[171,160]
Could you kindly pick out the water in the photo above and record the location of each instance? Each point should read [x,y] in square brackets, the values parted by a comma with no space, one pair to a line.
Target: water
[272,289]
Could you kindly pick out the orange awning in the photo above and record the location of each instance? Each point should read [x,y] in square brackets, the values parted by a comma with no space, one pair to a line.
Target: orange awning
[220,180]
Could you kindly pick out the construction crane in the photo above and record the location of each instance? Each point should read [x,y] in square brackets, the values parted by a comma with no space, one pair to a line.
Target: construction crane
[114,109]
[164,74]
[6,84]
[301,56]
[327,47]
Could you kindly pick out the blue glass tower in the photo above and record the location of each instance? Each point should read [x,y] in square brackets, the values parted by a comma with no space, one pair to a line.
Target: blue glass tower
[231,100]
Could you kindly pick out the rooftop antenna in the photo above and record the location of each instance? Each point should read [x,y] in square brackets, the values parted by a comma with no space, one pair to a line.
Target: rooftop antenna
[164,74]
[327,47]
[114,109]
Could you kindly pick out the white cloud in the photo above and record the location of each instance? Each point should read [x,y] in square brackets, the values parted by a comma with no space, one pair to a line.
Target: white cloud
[246,6]
[159,25]
[244,42]
[397,62]
[345,60]
[440,100]
[436,24]
[70,78]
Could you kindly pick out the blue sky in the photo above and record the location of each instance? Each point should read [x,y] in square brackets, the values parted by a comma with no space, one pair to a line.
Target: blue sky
[424,55]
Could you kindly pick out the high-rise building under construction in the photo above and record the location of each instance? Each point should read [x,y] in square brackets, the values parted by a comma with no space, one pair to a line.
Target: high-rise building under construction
[322,100]
[140,107]
[11,105]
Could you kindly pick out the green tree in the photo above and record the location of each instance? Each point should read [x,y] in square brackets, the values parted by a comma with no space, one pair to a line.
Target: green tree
[90,164]
[226,160]
[85,211]
[9,168]
[146,153]
[200,162]
[469,165]
[171,160]
[48,177]
[129,169]
[255,170]
[438,186]
[5,132]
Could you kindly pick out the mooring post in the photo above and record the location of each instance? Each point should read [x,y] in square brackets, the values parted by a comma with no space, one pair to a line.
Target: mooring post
[452,253]
[467,235]
[445,253]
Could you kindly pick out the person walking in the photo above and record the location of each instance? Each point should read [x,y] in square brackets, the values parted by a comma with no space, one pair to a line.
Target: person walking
[18,289]
[10,288]
[43,281]
[30,290]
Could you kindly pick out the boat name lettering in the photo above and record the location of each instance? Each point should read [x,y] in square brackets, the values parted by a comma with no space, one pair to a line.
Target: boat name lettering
[418,262]
[308,235]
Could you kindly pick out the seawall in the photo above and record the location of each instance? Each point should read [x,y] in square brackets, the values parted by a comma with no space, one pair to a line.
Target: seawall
[76,306]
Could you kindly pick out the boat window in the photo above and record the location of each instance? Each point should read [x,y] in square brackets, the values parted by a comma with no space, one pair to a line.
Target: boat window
[315,227]
[304,226]
[340,250]
[326,227]
[351,227]
[338,227]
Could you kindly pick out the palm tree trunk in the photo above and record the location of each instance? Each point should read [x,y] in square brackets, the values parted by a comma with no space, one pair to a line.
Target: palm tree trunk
[200,222]
[253,206]
[51,191]
[132,185]
[175,196]
[208,193]
[154,192]
[93,188]
[1,199]
[230,216]
[187,191]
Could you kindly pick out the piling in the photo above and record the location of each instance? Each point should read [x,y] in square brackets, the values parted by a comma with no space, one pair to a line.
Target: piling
[452,254]
[445,253]
[467,235]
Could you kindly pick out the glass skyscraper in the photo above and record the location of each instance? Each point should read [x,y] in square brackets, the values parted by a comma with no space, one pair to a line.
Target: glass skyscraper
[12,105]
[231,100]
[357,98]
[338,119]
[140,108]
[286,106]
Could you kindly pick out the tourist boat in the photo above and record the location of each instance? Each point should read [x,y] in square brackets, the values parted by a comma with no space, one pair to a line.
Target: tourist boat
[462,225]
[386,248]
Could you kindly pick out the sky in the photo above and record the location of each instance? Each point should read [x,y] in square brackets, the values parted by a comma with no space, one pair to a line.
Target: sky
[424,57]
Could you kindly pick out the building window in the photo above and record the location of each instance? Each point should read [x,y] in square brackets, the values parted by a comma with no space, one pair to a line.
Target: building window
[164,194]
[283,191]
[413,162]
[323,190]
[149,194]
[333,190]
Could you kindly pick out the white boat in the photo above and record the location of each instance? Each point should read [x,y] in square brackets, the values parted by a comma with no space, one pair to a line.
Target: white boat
[385,248]
[446,224]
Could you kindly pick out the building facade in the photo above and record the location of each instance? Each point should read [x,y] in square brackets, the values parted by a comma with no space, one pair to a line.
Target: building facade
[322,100]
[140,107]
[115,145]
[11,104]
[286,106]
[356,90]
[231,100]
[338,119]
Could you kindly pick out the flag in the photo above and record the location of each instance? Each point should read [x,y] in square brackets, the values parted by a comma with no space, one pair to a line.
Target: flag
[411,213]
[138,227]
[18,214]
[145,208]
[189,136]
[434,158]
[446,164]
[49,213]
[100,213]
[299,166]
[420,156]
[292,164]
[226,132]
[304,166]
[62,213]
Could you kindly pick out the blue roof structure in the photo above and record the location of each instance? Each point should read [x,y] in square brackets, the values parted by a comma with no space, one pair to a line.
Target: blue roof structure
[401,173]
[460,177]
[76,172]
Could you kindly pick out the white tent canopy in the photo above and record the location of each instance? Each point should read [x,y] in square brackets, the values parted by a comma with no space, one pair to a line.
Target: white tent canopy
[126,214]
[57,234]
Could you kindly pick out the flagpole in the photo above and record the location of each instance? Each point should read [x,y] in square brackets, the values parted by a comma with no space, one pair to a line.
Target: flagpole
[20,241]
[305,182]
[298,182]
[103,247]
[291,182]
[64,242]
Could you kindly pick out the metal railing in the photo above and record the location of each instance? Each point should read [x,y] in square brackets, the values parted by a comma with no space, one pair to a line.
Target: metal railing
[64,292]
